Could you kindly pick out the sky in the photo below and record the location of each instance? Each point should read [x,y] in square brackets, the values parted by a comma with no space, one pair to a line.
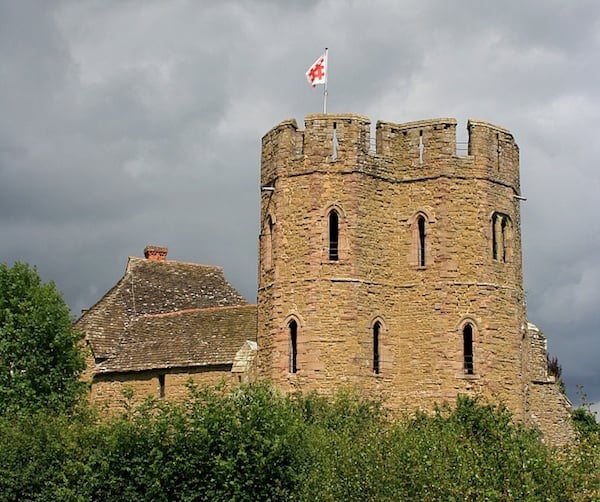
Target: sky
[132,122]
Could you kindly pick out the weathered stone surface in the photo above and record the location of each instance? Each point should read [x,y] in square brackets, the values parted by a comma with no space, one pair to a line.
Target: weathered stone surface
[108,390]
[472,272]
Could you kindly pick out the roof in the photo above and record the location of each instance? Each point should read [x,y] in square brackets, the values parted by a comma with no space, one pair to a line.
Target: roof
[153,287]
[199,337]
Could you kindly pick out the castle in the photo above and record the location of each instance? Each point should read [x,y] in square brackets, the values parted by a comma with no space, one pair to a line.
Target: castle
[396,270]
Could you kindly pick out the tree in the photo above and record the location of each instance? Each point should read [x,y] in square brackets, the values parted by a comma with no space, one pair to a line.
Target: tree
[40,355]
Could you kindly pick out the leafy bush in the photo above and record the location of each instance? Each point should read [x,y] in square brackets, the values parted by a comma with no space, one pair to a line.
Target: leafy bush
[585,422]
[256,444]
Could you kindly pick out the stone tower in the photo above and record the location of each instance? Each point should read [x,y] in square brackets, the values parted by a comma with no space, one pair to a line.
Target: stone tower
[395,269]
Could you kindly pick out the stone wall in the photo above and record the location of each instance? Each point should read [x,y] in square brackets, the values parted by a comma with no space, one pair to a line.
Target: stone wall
[108,390]
[548,408]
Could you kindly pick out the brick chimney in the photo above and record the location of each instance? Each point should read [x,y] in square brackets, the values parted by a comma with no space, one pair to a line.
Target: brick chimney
[156,253]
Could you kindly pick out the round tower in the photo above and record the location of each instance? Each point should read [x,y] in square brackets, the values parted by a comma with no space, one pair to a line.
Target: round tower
[396,268]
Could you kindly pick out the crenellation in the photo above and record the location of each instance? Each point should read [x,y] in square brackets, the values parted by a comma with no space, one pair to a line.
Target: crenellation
[416,144]
[495,151]
[416,150]
[335,142]
[279,148]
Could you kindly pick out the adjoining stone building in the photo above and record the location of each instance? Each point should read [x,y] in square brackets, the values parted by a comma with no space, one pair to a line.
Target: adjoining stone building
[164,323]
[394,269]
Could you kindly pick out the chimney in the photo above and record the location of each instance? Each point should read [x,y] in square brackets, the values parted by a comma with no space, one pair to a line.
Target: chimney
[156,253]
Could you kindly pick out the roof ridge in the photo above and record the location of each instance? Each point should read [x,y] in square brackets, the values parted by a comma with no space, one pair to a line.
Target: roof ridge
[189,311]
[172,262]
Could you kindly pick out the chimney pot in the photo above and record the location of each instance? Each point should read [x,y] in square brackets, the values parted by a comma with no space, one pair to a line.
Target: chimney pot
[156,253]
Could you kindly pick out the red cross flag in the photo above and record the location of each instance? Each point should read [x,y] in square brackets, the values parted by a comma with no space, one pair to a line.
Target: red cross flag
[317,73]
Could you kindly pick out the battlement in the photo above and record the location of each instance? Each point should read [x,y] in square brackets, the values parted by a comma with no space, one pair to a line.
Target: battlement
[342,142]
[410,138]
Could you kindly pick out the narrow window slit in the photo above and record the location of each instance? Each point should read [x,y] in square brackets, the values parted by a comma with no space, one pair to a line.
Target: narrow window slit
[501,237]
[422,250]
[293,328]
[468,349]
[499,149]
[421,146]
[504,238]
[376,355]
[333,236]
[269,244]
[495,236]
[335,145]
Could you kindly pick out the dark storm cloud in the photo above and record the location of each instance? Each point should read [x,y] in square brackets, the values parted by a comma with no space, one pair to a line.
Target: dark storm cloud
[126,123]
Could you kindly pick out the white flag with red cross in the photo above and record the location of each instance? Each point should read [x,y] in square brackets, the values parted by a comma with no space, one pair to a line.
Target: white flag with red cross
[317,73]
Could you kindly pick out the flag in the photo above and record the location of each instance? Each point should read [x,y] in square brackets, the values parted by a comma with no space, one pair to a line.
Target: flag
[317,73]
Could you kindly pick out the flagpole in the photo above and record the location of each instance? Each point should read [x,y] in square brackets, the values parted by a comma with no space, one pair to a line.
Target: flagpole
[326,75]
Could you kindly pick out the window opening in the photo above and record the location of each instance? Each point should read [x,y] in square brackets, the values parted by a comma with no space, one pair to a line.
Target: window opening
[421,230]
[468,349]
[500,237]
[293,327]
[161,386]
[495,236]
[421,146]
[499,149]
[334,142]
[269,244]
[503,226]
[376,355]
[333,236]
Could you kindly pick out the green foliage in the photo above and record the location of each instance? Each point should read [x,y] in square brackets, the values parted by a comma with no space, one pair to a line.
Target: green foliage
[40,359]
[254,444]
[44,456]
[583,417]
[471,452]
[475,452]
[240,446]
[342,447]
[585,422]
[584,461]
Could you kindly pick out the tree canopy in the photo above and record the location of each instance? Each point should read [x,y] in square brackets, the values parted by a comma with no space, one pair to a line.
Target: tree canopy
[40,355]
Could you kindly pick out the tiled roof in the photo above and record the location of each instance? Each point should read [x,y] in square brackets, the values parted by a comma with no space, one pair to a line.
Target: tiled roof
[199,337]
[153,287]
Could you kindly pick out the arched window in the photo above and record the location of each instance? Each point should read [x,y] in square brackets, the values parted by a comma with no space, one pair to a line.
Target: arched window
[501,237]
[376,353]
[421,243]
[468,349]
[504,237]
[293,329]
[334,236]
[421,255]
[495,236]
[268,243]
